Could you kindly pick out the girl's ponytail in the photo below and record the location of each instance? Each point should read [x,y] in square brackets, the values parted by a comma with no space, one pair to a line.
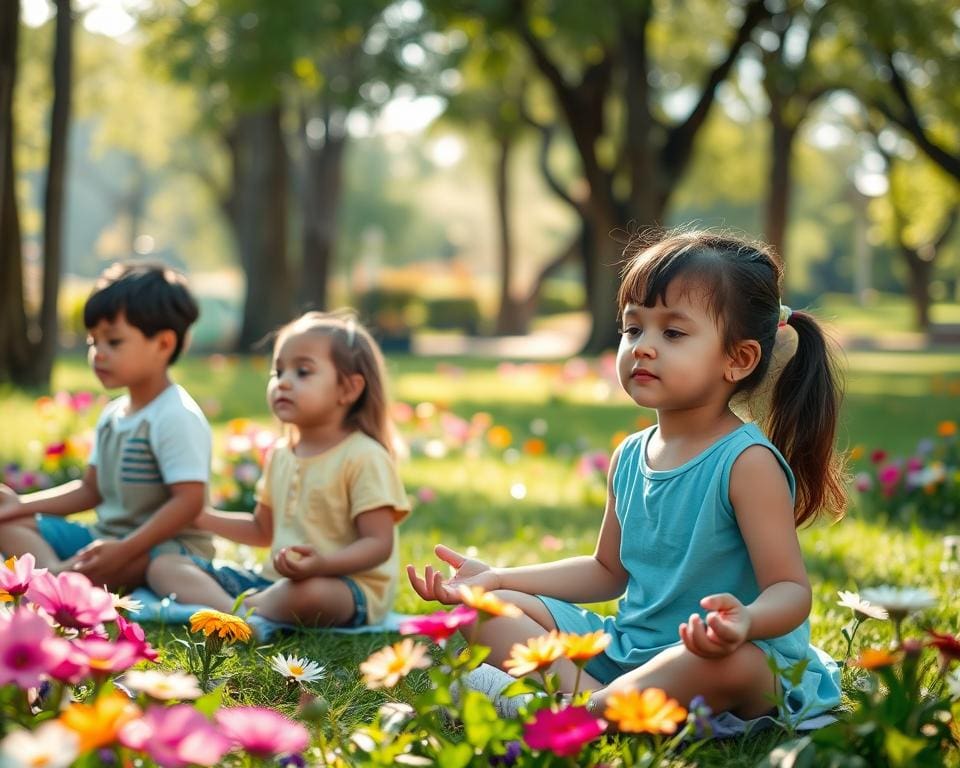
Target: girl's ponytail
[802,422]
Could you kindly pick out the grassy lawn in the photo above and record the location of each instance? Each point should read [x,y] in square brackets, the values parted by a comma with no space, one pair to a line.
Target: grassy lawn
[516,508]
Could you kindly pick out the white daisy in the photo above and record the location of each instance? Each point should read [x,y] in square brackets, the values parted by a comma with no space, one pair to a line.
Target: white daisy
[163,686]
[50,746]
[953,685]
[301,670]
[126,603]
[899,601]
[861,608]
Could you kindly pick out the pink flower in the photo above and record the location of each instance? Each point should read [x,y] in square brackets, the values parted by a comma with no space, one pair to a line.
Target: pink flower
[440,625]
[28,649]
[175,736]
[73,668]
[105,657]
[425,495]
[914,464]
[72,600]
[133,633]
[889,475]
[597,461]
[16,574]
[563,732]
[262,732]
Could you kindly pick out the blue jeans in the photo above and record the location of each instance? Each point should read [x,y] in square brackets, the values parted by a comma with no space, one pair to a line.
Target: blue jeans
[67,537]
[234,580]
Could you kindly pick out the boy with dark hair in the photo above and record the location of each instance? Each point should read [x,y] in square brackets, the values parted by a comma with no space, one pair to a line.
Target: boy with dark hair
[148,470]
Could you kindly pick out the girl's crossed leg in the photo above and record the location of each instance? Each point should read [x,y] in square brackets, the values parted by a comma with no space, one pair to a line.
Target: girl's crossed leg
[318,601]
[741,683]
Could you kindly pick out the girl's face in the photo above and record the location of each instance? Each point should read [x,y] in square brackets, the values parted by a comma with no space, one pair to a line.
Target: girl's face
[304,387]
[671,355]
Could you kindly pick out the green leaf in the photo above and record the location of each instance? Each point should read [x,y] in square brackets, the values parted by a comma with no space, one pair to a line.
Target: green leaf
[454,756]
[480,719]
[211,702]
[902,749]
[798,753]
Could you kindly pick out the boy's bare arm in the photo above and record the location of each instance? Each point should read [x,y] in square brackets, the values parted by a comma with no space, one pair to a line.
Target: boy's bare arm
[254,530]
[75,496]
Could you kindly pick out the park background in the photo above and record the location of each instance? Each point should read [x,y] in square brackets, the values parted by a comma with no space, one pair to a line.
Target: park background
[466,174]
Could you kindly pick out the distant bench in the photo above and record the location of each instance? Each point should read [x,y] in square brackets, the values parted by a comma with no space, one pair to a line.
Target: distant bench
[944,333]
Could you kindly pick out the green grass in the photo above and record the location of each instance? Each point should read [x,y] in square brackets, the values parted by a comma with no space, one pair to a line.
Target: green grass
[893,400]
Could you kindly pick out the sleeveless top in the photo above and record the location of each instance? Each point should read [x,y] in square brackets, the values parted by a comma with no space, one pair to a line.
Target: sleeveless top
[680,542]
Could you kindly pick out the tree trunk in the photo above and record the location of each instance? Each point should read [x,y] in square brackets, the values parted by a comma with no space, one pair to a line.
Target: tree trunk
[260,223]
[320,203]
[920,271]
[14,349]
[44,349]
[511,320]
[780,179]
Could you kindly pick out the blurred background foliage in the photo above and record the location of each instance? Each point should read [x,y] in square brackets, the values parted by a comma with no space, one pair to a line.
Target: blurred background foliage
[468,166]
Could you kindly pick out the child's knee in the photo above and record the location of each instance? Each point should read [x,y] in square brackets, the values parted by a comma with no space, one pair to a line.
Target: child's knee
[163,567]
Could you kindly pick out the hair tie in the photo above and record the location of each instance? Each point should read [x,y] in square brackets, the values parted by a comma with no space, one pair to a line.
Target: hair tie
[785,313]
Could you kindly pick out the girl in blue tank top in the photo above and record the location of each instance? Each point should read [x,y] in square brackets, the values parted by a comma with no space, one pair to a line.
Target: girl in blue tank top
[698,539]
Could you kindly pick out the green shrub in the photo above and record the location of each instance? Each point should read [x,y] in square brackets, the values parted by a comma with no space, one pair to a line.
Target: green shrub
[454,313]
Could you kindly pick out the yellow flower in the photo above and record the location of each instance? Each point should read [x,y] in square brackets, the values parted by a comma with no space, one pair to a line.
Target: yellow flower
[239,426]
[386,667]
[5,597]
[537,653]
[874,658]
[225,625]
[947,428]
[583,647]
[499,437]
[481,600]
[857,452]
[647,711]
[97,724]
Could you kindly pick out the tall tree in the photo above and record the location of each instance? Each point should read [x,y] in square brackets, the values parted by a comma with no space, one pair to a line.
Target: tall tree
[28,343]
[614,70]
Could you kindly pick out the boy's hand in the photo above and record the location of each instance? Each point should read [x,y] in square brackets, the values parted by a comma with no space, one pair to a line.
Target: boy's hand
[298,562]
[469,572]
[9,503]
[725,629]
[101,559]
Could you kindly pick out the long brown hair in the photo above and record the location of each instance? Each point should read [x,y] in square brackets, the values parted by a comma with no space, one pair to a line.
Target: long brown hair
[741,280]
[352,351]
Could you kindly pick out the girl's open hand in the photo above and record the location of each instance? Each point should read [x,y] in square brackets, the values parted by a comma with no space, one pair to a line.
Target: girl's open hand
[468,571]
[298,562]
[722,632]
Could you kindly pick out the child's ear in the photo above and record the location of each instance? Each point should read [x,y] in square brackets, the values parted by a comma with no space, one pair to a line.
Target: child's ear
[351,387]
[742,361]
[166,341]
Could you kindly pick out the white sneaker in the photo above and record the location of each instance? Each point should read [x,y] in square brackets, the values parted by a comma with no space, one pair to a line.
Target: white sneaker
[491,681]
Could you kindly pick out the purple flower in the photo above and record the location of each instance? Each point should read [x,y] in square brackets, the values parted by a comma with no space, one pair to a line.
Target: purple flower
[72,600]
[175,736]
[508,758]
[700,714]
[262,732]
[28,649]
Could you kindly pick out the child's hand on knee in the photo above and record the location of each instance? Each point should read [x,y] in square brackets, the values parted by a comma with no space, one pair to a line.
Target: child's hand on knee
[725,628]
[468,571]
[9,502]
[298,562]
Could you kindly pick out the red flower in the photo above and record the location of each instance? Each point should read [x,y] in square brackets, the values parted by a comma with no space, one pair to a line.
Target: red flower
[878,456]
[440,625]
[563,732]
[948,646]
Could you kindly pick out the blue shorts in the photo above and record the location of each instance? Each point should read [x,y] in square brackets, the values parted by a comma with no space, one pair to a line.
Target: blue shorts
[235,580]
[67,537]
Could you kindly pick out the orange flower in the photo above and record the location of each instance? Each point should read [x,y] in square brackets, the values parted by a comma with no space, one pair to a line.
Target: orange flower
[874,658]
[647,711]
[857,452]
[489,603]
[534,447]
[584,647]
[618,437]
[225,625]
[499,437]
[947,428]
[386,667]
[97,724]
[537,653]
[239,426]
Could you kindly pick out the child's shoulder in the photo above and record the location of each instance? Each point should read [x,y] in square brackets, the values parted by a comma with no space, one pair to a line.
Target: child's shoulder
[360,444]
[176,400]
